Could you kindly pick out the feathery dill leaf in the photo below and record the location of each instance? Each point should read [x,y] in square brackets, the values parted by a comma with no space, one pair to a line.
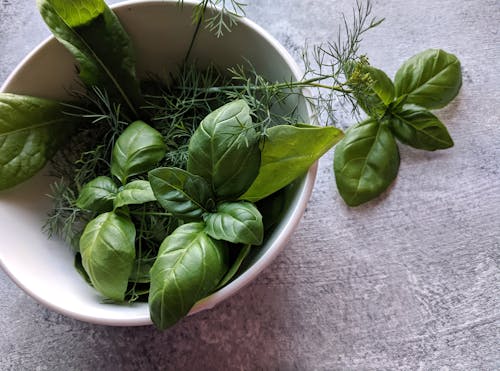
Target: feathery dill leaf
[328,62]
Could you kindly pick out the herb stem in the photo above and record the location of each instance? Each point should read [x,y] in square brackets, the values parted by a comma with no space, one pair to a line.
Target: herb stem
[197,30]
[279,86]
[153,213]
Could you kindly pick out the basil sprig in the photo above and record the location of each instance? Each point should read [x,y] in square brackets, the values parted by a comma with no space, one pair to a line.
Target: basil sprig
[228,158]
[107,245]
[230,166]
[367,160]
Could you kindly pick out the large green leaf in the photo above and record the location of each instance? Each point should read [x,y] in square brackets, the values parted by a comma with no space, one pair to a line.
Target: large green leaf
[98,195]
[107,246]
[366,162]
[430,79]
[236,222]
[419,128]
[181,193]
[31,131]
[225,150]
[102,48]
[288,153]
[138,149]
[189,266]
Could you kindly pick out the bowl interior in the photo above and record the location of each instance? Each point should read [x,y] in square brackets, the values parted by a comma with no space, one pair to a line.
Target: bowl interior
[161,32]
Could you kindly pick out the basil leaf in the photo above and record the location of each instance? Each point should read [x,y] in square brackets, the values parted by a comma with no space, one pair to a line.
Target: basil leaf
[430,79]
[189,266]
[288,152]
[98,195]
[225,150]
[231,273]
[185,195]
[236,222]
[102,48]
[419,128]
[134,193]
[372,88]
[107,246]
[366,162]
[31,131]
[137,150]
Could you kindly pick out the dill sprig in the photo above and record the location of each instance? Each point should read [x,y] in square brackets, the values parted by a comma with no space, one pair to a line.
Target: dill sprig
[219,21]
[329,63]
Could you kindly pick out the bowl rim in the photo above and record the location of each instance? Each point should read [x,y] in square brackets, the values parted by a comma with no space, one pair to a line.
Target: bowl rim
[296,212]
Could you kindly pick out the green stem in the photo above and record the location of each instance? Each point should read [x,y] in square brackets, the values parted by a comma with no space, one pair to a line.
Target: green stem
[196,31]
[310,83]
[149,213]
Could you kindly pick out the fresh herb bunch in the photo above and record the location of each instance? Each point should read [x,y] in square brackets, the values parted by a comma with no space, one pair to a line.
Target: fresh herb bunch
[164,189]
[367,159]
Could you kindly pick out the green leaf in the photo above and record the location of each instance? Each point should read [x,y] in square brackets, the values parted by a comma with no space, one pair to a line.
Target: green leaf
[107,246]
[31,131]
[419,128]
[134,193]
[98,195]
[189,266]
[138,149]
[181,193]
[236,222]
[225,150]
[366,162]
[288,152]
[272,208]
[140,273]
[372,88]
[231,273]
[102,48]
[430,79]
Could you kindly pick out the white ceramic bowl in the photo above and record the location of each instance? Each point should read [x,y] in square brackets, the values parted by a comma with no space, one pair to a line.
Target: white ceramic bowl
[161,32]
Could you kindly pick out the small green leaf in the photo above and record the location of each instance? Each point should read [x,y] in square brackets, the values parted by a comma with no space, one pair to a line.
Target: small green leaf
[225,150]
[288,152]
[189,266]
[182,194]
[430,79]
[372,88]
[107,246]
[419,128]
[140,272]
[31,131]
[366,162]
[231,273]
[236,222]
[134,193]
[138,149]
[97,195]
[102,48]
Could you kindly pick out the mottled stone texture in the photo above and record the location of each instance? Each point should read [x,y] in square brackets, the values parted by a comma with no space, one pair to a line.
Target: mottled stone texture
[407,282]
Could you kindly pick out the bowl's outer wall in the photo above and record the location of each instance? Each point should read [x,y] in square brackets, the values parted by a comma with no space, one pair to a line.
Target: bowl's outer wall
[161,33]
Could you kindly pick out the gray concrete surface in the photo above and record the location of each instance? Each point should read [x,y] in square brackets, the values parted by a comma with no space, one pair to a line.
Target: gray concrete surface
[410,281]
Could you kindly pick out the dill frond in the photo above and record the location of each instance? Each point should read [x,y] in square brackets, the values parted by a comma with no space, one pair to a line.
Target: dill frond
[65,220]
[329,63]
[219,21]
